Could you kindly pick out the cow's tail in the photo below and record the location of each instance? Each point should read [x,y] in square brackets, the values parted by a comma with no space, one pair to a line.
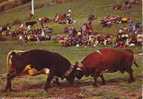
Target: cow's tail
[135,63]
[9,57]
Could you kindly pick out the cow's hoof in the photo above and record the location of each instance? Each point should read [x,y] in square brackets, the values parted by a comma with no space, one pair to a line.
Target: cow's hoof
[95,85]
[13,90]
[46,87]
[71,82]
[56,82]
[103,83]
[4,90]
[131,81]
[9,90]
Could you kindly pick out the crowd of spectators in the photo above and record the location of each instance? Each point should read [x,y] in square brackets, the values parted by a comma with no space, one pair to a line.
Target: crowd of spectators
[26,33]
[108,21]
[129,35]
[64,18]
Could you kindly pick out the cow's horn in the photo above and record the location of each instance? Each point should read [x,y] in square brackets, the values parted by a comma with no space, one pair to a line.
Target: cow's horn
[80,65]
[69,71]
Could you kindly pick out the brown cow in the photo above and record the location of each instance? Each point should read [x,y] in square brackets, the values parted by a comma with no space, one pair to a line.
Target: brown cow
[106,60]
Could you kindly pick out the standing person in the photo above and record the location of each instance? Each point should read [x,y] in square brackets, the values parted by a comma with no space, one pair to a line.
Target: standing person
[87,27]
[68,16]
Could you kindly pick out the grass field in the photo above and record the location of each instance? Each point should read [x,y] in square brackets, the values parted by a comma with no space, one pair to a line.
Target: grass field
[27,86]
[31,87]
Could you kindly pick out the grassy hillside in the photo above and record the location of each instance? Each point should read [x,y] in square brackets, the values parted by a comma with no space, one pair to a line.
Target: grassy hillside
[81,10]
[31,87]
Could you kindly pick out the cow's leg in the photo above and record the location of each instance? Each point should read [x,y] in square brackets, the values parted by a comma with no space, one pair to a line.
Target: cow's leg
[96,75]
[10,76]
[131,77]
[49,79]
[56,81]
[103,80]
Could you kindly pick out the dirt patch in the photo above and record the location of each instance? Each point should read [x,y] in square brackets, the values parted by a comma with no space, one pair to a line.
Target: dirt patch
[80,90]
[111,90]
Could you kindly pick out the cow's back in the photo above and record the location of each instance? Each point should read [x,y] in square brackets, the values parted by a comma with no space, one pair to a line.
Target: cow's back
[40,59]
[114,55]
[108,59]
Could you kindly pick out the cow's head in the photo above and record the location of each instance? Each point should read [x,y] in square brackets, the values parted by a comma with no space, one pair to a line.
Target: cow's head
[70,74]
[78,72]
[74,71]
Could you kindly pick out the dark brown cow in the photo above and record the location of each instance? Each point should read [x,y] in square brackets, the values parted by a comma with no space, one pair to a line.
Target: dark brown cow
[38,60]
[106,60]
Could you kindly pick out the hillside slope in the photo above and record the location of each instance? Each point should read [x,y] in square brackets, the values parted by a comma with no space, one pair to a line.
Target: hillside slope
[81,10]
[9,4]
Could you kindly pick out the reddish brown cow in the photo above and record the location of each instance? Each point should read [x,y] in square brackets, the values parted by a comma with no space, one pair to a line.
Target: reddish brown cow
[106,60]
